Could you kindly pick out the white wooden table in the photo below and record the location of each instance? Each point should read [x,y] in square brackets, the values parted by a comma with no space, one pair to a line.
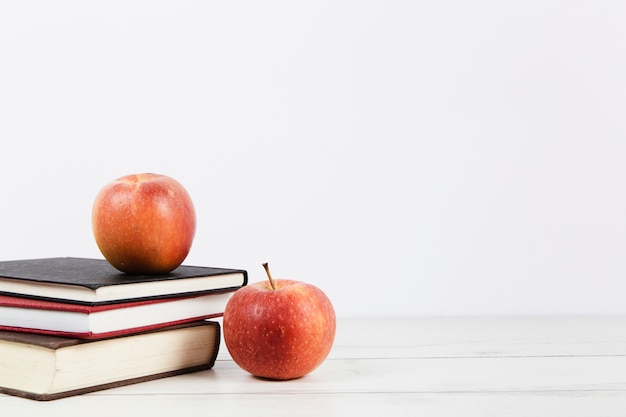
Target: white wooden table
[574,366]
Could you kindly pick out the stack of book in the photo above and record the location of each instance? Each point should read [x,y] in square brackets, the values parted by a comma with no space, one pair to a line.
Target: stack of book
[69,326]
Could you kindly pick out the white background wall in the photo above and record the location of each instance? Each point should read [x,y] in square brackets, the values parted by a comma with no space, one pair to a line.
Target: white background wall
[408,157]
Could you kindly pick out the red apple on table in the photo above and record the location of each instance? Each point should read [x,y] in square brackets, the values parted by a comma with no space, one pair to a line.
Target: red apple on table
[144,223]
[279,329]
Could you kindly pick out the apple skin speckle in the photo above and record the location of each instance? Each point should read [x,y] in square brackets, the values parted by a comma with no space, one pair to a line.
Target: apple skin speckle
[282,333]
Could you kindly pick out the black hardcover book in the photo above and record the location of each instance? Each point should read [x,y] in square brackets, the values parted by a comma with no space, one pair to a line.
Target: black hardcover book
[95,281]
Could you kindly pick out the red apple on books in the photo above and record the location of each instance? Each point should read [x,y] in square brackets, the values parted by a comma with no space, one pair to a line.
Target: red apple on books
[144,223]
[279,329]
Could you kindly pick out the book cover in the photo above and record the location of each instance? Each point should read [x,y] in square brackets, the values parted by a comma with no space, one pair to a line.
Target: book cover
[29,315]
[45,368]
[95,281]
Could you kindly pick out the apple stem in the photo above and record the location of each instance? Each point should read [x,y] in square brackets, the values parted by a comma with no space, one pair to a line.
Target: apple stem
[269,276]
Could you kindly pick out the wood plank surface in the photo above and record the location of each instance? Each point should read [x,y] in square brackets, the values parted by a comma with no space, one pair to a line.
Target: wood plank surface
[570,366]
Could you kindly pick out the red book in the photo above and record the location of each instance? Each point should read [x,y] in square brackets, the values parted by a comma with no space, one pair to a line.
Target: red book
[95,322]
